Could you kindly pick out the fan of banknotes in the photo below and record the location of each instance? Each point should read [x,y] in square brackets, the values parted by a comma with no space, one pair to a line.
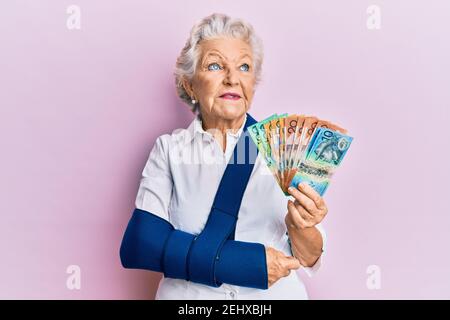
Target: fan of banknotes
[299,148]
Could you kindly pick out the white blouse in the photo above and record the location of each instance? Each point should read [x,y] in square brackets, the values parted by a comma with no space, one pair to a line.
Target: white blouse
[179,183]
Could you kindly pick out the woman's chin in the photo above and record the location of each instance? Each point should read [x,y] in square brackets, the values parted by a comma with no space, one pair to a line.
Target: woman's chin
[232,110]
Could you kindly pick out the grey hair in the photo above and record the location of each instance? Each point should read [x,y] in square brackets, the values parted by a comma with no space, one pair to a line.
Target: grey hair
[213,27]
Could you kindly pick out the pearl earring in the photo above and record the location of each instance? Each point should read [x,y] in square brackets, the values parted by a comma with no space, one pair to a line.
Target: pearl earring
[194,101]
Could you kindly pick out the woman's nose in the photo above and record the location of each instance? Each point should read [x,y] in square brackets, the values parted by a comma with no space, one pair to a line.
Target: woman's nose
[231,78]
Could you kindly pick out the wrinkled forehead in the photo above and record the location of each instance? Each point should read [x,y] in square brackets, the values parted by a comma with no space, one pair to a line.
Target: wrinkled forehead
[230,49]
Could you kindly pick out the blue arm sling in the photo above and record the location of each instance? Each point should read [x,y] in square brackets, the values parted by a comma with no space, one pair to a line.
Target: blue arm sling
[212,257]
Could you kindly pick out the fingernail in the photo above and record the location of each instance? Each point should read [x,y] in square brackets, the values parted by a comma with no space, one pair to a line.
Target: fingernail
[290,189]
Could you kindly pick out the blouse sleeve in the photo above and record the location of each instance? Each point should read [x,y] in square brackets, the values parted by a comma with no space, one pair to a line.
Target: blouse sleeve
[155,188]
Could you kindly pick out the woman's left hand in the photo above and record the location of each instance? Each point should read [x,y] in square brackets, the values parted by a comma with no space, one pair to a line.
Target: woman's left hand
[307,210]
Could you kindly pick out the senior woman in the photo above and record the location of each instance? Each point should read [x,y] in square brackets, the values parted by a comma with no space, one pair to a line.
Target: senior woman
[214,231]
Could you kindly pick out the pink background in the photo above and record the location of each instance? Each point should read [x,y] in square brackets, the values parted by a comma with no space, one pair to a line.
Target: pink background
[81,109]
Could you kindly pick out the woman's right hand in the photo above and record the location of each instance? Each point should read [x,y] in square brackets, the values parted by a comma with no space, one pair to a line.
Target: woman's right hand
[279,265]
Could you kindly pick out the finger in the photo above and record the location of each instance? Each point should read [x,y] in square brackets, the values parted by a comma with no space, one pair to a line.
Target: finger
[312,194]
[305,201]
[301,216]
[296,217]
[303,212]
[292,263]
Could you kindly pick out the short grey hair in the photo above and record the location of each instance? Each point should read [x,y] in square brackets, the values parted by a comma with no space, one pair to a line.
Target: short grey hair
[213,27]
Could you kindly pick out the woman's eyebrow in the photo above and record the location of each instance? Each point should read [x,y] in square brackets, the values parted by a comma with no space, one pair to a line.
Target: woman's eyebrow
[245,55]
[209,54]
[217,54]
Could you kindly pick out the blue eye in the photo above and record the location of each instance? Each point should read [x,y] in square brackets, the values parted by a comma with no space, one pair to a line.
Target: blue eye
[214,67]
[244,67]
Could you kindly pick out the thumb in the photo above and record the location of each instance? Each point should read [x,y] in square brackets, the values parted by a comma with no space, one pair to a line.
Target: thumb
[292,263]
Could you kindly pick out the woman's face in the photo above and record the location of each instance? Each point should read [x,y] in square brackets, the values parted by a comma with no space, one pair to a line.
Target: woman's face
[225,79]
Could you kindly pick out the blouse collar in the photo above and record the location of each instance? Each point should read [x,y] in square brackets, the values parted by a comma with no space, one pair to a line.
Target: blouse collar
[196,129]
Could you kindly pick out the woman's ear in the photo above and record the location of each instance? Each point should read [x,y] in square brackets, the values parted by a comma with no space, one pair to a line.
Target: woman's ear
[187,85]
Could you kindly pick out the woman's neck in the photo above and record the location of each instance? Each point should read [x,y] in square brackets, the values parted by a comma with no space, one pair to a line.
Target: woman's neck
[220,127]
